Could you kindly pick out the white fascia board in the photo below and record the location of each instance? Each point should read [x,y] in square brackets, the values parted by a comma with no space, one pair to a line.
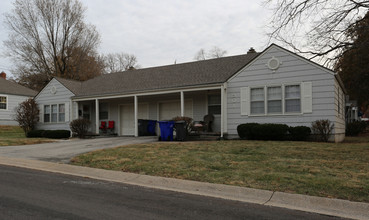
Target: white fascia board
[188,89]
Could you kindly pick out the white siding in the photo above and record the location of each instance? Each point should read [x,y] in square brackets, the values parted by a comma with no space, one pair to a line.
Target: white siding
[61,96]
[292,70]
[340,125]
[7,115]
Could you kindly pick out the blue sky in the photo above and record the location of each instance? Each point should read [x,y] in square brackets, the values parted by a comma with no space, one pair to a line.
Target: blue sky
[163,31]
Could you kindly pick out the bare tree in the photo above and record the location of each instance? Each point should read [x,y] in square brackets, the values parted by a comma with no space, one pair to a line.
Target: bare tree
[316,28]
[200,55]
[50,37]
[214,52]
[118,62]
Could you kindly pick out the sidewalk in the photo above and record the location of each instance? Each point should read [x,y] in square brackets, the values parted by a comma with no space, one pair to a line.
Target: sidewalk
[334,207]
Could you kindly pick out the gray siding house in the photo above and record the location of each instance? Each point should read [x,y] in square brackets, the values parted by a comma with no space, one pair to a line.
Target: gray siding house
[11,95]
[274,86]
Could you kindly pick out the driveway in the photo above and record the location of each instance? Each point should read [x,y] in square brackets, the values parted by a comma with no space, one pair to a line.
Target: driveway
[62,151]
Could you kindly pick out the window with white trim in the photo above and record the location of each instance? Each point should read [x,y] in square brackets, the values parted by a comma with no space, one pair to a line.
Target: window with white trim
[3,102]
[274,97]
[54,113]
[257,101]
[103,111]
[292,99]
[214,104]
[275,100]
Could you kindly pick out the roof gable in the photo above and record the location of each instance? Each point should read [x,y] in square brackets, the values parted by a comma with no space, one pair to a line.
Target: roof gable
[9,87]
[290,53]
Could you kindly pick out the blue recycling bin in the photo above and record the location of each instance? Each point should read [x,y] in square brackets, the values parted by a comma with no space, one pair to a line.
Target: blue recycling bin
[151,125]
[166,130]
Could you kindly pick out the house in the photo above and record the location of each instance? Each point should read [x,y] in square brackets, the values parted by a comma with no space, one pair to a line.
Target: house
[11,95]
[274,86]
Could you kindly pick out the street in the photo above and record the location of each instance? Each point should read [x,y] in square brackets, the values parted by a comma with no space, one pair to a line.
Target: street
[31,194]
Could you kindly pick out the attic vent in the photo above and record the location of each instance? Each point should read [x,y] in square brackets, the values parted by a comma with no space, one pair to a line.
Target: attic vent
[273,63]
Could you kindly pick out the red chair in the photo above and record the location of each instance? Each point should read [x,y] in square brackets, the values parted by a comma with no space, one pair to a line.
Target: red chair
[103,126]
[110,126]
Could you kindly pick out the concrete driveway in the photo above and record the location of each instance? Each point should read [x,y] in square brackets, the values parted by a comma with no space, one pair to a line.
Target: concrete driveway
[62,151]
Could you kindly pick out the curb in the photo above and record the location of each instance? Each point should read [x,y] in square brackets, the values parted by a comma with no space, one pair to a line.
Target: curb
[326,206]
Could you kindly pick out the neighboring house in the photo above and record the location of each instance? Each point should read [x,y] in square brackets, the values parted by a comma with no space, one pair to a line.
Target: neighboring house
[11,95]
[274,86]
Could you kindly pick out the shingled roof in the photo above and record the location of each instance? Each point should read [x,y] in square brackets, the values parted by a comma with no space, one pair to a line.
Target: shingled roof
[12,88]
[197,73]
[73,85]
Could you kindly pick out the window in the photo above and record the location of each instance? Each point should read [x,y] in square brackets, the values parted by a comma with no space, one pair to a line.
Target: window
[61,112]
[103,111]
[47,113]
[54,113]
[214,104]
[271,100]
[3,102]
[274,100]
[257,101]
[292,99]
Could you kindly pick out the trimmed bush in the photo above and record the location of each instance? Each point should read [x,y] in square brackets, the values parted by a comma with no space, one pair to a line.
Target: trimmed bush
[80,127]
[299,133]
[245,130]
[255,131]
[56,134]
[35,134]
[355,128]
[322,128]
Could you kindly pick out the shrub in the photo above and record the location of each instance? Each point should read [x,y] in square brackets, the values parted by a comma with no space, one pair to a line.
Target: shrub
[322,128]
[56,134]
[245,130]
[271,131]
[355,128]
[255,131]
[27,115]
[299,133]
[188,121]
[80,127]
[35,134]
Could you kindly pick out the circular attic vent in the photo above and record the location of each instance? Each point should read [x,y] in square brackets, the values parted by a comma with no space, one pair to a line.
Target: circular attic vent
[53,89]
[273,63]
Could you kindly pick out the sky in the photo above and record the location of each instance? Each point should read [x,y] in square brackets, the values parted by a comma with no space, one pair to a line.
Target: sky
[162,32]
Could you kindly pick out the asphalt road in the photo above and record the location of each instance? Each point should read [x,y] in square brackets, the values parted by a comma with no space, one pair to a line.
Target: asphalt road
[31,194]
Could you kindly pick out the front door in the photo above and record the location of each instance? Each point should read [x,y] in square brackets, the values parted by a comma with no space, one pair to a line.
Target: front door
[127,122]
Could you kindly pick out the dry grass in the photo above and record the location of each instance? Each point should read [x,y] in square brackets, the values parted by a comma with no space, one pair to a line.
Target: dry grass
[321,169]
[14,135]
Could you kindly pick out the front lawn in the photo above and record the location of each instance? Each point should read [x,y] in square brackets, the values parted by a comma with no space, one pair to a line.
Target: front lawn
[14,135]
[320,169]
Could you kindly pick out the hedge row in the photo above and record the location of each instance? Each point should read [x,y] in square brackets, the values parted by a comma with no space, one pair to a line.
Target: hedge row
[255,131]
[54,134]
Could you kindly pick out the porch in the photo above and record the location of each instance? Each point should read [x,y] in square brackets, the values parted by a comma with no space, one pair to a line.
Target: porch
[126,110]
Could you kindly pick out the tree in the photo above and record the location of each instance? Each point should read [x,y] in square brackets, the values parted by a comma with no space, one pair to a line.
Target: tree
[353,64]
[214,52]
[118,62]
[27,115]
[50,38]
[316,26]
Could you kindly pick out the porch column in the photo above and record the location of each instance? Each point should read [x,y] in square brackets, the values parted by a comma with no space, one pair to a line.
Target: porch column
[182,104]
[221,111]
[136,117]
[97,115]
[75,112]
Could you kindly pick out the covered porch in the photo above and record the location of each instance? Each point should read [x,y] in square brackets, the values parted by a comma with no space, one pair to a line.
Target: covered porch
[126,110]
